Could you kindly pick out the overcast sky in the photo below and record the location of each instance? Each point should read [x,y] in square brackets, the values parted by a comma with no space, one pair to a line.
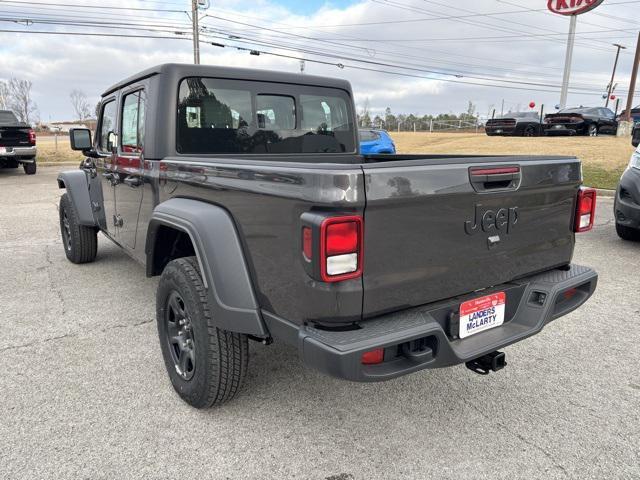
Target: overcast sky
[437,61]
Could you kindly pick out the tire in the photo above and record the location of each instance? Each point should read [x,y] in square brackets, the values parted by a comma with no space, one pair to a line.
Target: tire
[592,130]
[627,233]
[79,241]
[30,168]
[206,365]
[530,131]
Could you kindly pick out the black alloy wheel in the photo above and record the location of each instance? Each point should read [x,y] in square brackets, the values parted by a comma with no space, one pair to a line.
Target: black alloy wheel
[179,335]
[66,230]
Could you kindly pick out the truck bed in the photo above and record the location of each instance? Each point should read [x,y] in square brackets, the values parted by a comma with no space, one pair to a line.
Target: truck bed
[422,241]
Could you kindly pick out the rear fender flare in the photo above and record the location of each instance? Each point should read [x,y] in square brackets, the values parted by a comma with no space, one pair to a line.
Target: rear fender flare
[221,259]
[77,185]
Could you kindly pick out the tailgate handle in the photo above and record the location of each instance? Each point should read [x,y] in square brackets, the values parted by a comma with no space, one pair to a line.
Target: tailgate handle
[494,178]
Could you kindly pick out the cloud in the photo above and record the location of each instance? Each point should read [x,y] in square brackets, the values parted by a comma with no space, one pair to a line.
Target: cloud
[434,52]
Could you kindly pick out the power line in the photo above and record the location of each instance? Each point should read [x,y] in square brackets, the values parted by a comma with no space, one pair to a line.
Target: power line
[298,58]
[411,67]
[101,7]
[468,22]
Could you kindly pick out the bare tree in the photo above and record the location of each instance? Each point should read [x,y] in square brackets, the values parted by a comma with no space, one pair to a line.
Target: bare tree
[20,100]
[80,104]
[364,116]
[4,95]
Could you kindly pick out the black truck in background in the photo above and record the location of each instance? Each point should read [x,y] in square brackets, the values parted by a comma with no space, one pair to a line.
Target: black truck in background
[17,143]
[243,190]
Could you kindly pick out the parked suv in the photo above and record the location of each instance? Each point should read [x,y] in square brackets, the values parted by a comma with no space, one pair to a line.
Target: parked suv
[627,202]
[245,192]
[17,143]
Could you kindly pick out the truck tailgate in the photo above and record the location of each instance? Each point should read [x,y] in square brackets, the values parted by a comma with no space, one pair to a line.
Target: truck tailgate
[441,227]
[14,136]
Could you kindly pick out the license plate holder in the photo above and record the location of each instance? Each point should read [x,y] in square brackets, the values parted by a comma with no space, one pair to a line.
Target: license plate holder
[482,314]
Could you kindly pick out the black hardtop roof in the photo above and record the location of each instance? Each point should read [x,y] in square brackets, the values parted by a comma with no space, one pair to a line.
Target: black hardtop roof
[188,70]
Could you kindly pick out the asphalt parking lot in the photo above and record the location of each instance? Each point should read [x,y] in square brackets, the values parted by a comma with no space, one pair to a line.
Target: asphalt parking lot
[85,393]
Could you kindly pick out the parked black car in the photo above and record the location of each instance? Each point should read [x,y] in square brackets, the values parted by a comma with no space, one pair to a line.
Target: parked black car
[17,143]
[244,191]
[581,121]
[627,202]
[520,124]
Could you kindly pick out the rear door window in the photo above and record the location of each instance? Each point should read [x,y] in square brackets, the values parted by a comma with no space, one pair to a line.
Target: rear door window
[132,125]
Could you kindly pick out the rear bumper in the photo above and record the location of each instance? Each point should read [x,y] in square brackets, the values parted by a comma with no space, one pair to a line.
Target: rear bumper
[433,329]
[500,131]
[19,152]
[577,129]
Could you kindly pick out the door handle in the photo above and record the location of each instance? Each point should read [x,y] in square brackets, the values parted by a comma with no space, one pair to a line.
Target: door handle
[133,181]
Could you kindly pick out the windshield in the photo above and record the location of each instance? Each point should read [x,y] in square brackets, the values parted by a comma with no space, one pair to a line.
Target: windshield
[218,116]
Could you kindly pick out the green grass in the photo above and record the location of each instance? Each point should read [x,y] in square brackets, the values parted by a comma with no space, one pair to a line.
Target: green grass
[599,177]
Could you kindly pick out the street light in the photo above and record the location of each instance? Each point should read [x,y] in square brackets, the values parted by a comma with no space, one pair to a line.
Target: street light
[613,75]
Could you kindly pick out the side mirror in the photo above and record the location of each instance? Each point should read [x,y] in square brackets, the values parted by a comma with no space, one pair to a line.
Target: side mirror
[80,139]
[635,139]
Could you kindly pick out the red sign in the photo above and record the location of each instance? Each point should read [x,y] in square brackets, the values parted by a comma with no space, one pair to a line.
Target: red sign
[572,7]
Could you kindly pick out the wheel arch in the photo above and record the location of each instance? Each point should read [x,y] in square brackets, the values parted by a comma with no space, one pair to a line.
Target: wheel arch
[182,227]
[77,186]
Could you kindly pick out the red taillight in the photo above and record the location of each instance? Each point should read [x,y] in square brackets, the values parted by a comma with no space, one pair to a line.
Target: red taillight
[307,243]
[374,357]
[585,210]
[32,137]
[341,248]
[342,238]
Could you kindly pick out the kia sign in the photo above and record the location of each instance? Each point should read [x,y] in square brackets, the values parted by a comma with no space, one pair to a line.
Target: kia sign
[572,7]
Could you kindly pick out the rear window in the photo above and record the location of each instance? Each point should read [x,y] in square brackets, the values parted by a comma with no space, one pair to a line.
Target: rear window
[217,116]
[7,118]
[368,136]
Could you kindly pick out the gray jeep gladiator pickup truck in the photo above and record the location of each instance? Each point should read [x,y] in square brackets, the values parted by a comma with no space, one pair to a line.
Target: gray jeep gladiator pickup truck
[245,192]
[17,143]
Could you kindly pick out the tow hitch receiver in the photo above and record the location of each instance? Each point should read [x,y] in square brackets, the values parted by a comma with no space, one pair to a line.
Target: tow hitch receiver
[492,362]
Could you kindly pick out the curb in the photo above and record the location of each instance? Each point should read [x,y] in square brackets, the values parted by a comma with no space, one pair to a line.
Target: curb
[606,193]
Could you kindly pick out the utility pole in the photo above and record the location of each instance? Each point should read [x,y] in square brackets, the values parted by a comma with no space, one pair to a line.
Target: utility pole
[632,86]
[567,61]
[196,32]
[613,75]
